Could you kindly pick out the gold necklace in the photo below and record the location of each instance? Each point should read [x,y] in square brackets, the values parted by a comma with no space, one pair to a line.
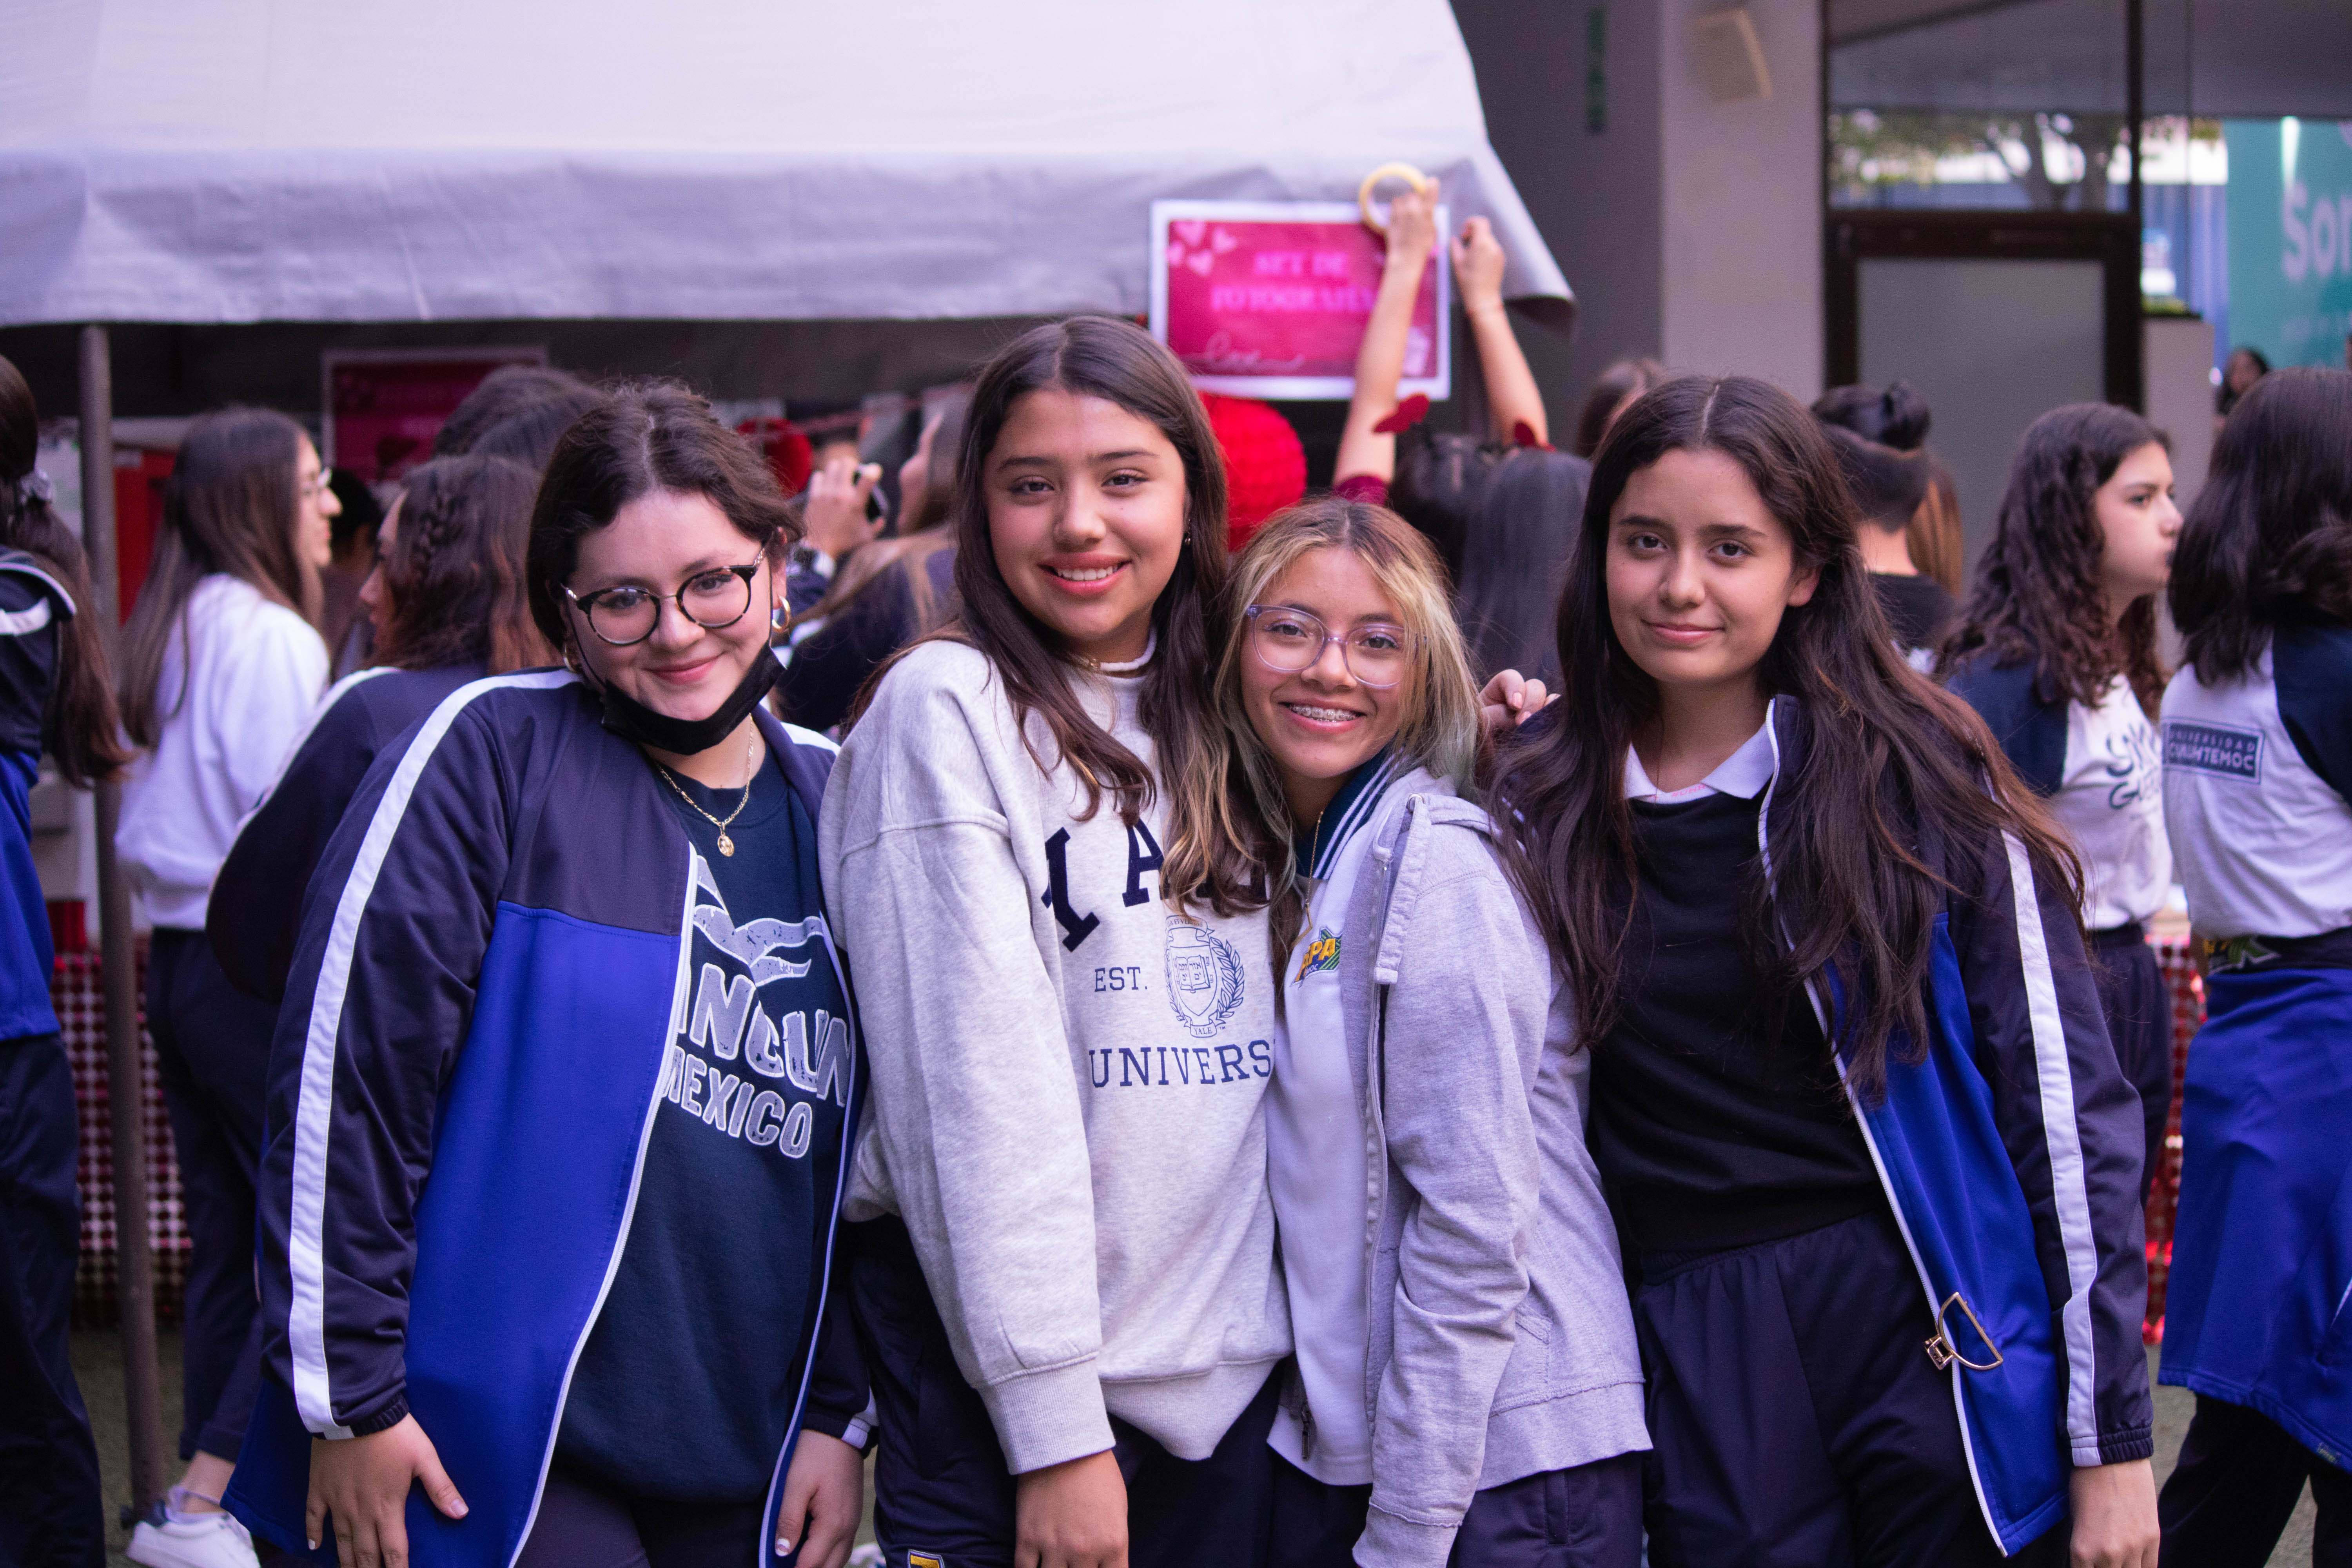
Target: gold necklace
[750,772]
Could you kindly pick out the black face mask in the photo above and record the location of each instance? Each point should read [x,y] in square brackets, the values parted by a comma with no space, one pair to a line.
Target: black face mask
[631,721]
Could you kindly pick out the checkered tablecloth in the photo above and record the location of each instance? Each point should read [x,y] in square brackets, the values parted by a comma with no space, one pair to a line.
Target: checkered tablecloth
[78,990]
[2186,984]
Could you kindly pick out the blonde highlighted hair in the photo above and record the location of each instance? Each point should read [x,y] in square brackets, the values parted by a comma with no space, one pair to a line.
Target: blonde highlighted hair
[1232,785]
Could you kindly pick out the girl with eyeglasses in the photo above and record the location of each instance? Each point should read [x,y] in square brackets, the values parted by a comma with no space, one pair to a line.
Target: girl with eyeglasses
[222,666]
[1466,1387]
[1853,1103]
[565,1078]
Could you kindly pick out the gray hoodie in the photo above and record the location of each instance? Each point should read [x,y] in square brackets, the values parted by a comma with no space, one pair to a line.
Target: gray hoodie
[1484,1366]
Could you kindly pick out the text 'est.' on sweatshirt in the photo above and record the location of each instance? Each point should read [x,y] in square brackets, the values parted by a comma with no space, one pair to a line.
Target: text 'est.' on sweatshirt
[1068,1079]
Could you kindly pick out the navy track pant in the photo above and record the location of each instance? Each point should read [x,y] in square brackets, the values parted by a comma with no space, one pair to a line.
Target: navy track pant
[2239,1476]
[583,1523]
[53,1515]
[211,1051]
[1797,1420]
[941,1487]
[1586,1517]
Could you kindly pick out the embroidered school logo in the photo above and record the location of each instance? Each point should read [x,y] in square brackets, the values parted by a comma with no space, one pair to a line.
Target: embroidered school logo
[2213,749]
[1321,954]
[1204,977]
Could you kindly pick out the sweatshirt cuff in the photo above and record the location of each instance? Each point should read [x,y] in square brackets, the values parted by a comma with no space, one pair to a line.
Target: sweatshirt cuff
[1049,1417]
[1391,1541]
[391,1416]
[2118,1449]
[855,1428]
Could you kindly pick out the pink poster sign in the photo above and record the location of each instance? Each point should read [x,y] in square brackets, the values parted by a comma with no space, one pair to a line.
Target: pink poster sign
[1269,299]
[384,405]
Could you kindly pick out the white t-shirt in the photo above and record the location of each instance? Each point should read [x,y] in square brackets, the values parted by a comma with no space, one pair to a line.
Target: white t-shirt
[237,692]
[2110,801]
[1318,1165]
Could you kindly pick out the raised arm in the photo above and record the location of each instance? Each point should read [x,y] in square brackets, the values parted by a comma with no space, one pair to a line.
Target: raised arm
[1364,450]
[1512,399]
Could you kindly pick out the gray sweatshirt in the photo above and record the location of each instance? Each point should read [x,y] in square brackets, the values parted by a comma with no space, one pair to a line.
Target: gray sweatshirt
[1487,1363]
[1069,1082]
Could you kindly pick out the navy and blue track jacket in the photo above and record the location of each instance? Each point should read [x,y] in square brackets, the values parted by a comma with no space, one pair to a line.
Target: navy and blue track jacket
[254,917]
[2029,724]
[2011,1153]
[34,610]
[492,965]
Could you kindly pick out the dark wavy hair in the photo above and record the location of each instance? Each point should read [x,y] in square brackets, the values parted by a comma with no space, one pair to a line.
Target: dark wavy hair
[529,435]
[1105,357]
[1522,526]
[454,575]
[1439,477]
[1889,759]
[505,392]
[645,436]
[80,726]
[1612,389]
[2036,596]
[2269,541]
[228,507]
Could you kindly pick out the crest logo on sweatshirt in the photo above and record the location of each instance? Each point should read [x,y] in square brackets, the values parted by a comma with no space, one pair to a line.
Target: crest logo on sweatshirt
[1205,978]
[1322,954]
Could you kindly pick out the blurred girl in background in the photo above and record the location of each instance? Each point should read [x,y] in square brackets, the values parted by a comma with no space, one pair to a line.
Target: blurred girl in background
[222,666]
[2258,797]
[2057,650]
[54,698]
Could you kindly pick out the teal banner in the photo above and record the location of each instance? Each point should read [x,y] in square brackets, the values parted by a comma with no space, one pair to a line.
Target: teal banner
[2291,238]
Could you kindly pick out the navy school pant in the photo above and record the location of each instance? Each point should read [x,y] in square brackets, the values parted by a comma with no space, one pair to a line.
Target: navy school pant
[51,1510]
[1587,1517]
[211,1051]
[583,1523]
[941,1487]
[2239,1476]
[2138,1010]
[1796,1419]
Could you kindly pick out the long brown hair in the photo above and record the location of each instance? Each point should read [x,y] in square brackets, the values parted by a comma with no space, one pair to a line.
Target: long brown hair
[81,723]
[454,575]
[1889,758]
[2269,541]
[2036,599]
[228,507]
[1100,356]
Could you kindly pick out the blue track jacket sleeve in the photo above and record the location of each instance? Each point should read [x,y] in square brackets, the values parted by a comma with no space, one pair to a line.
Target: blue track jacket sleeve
[2032,732]
[2313,670]
[380,997]
[2072,1125]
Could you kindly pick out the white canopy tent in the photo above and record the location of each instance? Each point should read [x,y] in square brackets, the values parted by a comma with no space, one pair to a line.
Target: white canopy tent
[294,160]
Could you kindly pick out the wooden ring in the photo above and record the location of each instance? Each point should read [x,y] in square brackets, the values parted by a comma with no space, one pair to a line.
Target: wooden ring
[1405,172]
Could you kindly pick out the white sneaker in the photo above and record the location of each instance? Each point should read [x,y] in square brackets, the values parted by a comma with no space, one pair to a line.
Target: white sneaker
[168,1538]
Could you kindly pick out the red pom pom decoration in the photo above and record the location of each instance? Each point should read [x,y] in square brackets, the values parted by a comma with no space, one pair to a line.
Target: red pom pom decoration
[1409,413]
[1265,468]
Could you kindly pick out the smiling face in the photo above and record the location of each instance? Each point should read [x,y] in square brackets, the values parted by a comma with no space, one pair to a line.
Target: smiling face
[2137,523]
[1699,572]
[658,542]
[1085,516]
[1321,723]
[314,506]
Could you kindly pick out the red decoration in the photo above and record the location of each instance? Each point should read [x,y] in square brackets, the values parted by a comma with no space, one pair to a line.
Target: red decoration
[1265,468]
[1409,413]
[786,446]
[1524,435]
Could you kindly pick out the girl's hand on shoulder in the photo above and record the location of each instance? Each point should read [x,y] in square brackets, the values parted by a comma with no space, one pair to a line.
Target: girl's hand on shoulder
[824,1492]
[2114,1508]
[363,1484]
[1072,1515]
[1509,700]
[1478,263]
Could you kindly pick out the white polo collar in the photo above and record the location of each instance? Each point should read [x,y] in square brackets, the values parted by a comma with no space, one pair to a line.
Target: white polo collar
[1745,773]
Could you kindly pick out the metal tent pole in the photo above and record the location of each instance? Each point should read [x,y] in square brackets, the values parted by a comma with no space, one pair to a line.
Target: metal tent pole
[126,1098]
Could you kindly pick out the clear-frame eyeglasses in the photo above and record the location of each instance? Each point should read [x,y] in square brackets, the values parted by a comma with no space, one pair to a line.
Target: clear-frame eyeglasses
[1292,640]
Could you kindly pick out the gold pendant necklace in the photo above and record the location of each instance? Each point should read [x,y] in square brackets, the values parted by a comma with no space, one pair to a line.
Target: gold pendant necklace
[750,772]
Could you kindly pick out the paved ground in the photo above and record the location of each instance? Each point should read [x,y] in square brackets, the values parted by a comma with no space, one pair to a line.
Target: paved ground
[97,1362]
